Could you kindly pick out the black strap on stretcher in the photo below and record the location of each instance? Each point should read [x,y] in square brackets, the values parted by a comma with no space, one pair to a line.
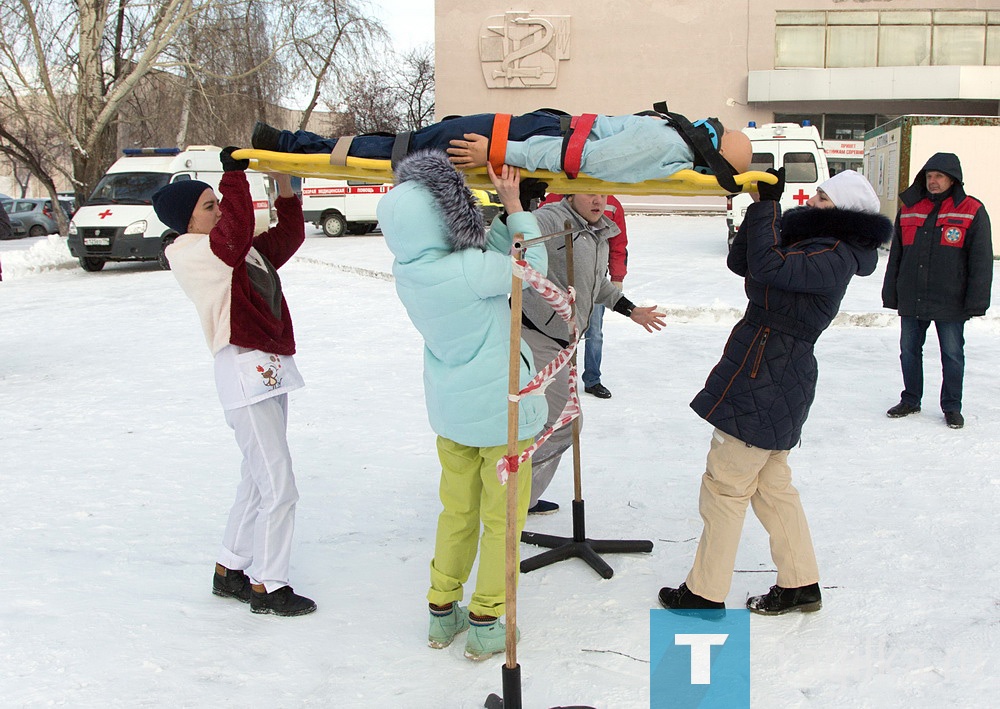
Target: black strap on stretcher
[699,140]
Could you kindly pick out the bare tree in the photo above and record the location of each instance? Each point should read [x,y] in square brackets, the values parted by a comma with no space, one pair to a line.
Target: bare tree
[416,87]
[328,37]
[72,66]
[391,95]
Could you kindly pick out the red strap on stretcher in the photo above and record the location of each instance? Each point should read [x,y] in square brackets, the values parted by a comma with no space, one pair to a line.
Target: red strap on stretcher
[579,131]
[498,141]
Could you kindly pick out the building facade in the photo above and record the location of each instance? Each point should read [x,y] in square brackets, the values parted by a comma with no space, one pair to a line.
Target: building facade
[845,65]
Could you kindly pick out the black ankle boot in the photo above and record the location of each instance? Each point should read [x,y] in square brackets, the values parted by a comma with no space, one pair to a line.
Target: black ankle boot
[234,584]
[264,137]
[784,600]
[683,599]
[281,601]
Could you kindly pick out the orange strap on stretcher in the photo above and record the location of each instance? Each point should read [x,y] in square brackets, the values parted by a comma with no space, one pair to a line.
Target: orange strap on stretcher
[498,141]
[579,131]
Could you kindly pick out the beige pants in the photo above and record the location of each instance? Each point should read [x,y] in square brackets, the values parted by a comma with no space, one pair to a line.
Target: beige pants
[737,473]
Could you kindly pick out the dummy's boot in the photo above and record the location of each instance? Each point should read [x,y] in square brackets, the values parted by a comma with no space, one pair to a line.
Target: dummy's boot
[264,137]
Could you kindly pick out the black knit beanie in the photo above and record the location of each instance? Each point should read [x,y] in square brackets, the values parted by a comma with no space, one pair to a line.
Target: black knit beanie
[175,203]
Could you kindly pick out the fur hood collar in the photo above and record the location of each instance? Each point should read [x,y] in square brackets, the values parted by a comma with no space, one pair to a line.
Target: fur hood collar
[459,210]
[861,230]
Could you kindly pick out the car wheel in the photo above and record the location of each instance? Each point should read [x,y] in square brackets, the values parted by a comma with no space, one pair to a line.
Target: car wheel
[91,264]
[161,258]
[334,225]
[37,230]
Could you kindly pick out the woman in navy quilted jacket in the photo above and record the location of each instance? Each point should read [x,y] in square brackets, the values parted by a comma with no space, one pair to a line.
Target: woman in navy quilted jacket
[796,268]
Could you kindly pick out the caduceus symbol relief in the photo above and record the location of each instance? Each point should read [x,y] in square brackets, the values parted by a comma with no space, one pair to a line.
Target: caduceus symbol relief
[525,59]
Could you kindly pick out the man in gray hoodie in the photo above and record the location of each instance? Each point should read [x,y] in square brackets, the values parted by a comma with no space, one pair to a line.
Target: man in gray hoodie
[546,333]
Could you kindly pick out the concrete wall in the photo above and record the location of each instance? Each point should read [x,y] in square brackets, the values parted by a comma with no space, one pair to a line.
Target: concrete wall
[622,55]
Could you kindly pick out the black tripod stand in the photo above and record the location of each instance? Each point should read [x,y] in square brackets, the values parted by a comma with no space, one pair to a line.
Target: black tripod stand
[561,548]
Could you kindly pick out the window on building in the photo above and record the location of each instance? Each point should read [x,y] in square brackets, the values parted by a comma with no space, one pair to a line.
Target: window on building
[836,126]
[859,38]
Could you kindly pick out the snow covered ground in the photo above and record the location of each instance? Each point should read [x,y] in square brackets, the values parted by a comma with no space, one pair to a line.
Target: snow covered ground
[117,471]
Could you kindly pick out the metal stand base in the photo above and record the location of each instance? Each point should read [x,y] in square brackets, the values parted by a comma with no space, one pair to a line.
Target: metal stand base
[561,548]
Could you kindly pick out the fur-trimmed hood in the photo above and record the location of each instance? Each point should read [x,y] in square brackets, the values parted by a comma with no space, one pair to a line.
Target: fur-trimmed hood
[862,230]
[430,208]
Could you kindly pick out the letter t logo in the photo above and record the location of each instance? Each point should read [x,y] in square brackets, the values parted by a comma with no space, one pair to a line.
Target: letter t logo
[701,654]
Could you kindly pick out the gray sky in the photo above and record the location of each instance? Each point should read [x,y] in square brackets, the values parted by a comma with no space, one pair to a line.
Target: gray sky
[410,22]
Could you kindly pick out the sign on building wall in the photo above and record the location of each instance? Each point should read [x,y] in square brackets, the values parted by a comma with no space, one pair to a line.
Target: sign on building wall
[519,50]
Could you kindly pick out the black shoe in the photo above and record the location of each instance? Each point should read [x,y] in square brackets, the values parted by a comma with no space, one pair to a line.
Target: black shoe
[234,584]
[954,419]
[598,390]
[900,410]
[264,137]
[543,507]
[684,599]
[282,601]
[783,600]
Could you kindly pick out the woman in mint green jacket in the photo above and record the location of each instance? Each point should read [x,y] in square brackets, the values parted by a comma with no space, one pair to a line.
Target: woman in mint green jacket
[454,279]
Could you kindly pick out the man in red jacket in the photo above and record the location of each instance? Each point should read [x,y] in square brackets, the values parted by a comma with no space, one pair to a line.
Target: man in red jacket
[231,278]
[940,270]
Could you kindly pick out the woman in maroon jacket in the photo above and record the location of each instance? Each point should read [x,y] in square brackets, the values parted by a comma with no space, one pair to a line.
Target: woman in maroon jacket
[231,278]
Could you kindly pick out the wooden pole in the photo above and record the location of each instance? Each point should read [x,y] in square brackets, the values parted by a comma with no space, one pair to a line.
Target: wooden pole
[513,387]
[577,476]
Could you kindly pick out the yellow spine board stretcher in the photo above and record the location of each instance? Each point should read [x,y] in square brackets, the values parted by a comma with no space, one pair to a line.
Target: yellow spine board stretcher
[686,183]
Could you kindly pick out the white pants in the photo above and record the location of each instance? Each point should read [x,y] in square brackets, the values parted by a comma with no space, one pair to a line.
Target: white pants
[258,537]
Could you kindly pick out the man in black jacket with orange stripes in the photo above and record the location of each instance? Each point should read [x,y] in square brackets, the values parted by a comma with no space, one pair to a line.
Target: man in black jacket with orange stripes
[940,270]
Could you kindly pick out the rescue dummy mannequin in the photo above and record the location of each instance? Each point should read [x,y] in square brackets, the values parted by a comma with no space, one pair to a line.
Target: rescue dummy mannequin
[629,148]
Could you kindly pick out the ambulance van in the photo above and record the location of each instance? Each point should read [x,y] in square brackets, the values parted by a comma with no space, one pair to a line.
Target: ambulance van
[339,206]
[118,223]
[797,148]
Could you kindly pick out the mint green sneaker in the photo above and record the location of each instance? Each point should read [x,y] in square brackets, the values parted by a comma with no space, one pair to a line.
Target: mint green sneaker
[486,639]
[445,626]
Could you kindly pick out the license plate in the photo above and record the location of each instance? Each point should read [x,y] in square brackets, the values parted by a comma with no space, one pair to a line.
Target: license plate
[96,242]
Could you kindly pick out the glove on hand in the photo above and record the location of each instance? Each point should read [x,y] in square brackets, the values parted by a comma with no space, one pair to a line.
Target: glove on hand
[229,164]
[531,189]
[772,192]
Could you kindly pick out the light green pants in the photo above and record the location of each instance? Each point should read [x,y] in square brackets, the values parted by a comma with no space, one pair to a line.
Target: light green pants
[471,494]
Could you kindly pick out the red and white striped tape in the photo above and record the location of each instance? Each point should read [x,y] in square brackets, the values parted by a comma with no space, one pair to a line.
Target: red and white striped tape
[562,304]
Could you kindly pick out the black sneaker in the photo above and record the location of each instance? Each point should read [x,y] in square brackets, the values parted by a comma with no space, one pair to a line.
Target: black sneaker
[684,599]
[900,410]
[543,507]
[783,600]
[264,137]
[954,419]
[598,390]
[282,601]
[234,584]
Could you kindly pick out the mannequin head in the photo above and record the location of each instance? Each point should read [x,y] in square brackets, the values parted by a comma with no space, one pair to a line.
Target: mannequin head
[736,149]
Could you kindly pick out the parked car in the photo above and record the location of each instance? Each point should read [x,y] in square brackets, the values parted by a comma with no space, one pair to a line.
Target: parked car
[17,229]
[36,214]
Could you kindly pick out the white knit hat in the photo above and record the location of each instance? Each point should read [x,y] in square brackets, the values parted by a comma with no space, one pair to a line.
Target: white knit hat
[851,190]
